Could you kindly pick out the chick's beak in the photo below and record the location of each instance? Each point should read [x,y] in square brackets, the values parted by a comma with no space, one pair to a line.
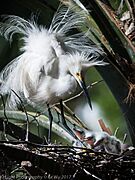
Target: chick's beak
[82,84]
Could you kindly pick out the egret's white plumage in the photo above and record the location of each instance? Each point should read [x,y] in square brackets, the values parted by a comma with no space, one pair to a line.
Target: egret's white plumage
[47,69]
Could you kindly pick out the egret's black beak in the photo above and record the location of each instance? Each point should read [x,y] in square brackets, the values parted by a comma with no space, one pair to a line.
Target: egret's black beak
[83,86]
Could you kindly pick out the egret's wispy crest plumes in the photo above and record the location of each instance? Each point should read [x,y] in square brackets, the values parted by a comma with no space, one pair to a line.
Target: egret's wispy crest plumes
[47,70]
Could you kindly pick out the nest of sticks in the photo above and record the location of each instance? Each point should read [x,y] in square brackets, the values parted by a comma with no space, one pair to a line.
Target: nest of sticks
[35,161]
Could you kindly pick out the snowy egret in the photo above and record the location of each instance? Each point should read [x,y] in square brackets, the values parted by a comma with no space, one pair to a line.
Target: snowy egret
[52,62]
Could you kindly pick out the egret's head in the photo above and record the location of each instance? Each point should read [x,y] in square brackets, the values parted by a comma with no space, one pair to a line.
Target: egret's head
[78,64]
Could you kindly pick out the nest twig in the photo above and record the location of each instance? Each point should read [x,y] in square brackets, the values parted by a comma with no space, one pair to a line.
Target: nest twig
[64,161]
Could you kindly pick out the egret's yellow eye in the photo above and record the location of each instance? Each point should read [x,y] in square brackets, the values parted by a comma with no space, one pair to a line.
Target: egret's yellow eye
[78,74]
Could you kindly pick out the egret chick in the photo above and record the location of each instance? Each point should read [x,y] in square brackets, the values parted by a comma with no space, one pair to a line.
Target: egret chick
[99,141]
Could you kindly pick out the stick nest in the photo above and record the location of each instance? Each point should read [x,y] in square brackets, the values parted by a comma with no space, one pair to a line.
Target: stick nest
[32,161]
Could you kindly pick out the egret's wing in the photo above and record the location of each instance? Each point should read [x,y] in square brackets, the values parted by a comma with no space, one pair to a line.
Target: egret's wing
[67,20]
[38,58]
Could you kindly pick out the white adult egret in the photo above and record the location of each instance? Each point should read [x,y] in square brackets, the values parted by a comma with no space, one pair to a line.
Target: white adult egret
[52,62]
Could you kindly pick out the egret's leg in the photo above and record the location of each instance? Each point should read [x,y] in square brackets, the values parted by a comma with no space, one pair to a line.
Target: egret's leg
[5,121]
[58,114]
[75,118]
[4,130]
[50,126]
[25,111]
[69,110]
[71,118]
[64,121]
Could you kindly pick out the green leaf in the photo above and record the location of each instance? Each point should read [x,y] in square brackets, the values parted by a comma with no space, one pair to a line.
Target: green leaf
[42,121]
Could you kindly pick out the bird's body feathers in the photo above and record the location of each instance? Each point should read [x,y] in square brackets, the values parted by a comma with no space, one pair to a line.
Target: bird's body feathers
[45,70]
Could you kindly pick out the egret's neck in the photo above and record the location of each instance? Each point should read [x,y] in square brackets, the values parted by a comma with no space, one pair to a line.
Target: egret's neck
[66,86]
[63,68]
